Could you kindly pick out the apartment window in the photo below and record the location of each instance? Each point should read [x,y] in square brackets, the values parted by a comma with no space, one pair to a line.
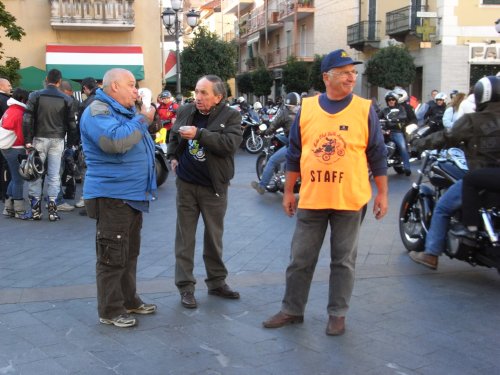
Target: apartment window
[303,40]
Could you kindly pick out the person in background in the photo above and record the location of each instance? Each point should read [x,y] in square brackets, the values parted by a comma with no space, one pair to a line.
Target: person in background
[284,120]
[12,120]
[48,118]
[335,137]
[119,183]
[89,88]
[204,139]
[167,111]
[472,129]
[451,114]
[5,92]
[468,105]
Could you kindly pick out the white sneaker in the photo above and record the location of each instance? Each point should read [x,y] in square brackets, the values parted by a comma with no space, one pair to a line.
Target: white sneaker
[65,207]
[80,203]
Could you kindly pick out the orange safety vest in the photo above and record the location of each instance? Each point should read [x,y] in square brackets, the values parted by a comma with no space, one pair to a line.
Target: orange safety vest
[333,164]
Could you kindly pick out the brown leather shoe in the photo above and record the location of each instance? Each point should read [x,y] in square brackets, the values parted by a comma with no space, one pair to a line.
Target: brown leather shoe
[225,292]
[188,300]
[427,260]
[281,319]
[335,326]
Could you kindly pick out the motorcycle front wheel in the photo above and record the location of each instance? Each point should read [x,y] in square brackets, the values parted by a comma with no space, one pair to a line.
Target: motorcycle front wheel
[260,164]
[411,228]
[254,145]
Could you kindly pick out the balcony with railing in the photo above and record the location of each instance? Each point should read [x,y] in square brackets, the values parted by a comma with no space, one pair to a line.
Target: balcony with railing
[279,56]
[362,34]
[401,22]
[109,15]
[289,9]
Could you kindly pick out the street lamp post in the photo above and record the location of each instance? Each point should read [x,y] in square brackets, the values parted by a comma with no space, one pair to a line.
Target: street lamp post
[172,23]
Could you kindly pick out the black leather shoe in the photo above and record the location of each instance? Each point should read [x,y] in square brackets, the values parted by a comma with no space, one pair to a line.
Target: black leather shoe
[188,300]
[225,292]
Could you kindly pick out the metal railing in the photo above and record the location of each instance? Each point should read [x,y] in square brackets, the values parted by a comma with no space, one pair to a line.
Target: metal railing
[362,32]
[402,20]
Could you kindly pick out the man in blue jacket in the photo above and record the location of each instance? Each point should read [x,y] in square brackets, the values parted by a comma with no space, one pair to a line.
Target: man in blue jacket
[119,183]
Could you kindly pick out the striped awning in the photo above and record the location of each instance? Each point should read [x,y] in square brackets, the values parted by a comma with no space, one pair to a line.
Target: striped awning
[78,62]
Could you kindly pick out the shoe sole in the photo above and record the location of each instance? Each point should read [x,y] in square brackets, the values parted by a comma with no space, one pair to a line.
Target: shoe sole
[141,312]
[223,295]
[419,261]
[298,320]
[335,333]
[116,324]
[189,306]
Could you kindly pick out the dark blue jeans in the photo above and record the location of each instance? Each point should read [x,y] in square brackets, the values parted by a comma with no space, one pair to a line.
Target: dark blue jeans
[16,185]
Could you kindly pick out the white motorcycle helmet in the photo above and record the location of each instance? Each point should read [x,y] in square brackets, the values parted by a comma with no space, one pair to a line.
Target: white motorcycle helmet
[402,94]
[440,96]
[257,106]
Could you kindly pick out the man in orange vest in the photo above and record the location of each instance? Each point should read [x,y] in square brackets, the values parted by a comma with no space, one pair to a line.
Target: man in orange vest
[335,138]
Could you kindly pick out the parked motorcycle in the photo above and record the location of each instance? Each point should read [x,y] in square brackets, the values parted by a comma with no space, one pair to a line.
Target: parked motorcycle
[161,163]
[441,169]
[272,144]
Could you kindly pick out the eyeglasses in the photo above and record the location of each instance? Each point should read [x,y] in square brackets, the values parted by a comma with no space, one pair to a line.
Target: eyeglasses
[345,74]
[391,100]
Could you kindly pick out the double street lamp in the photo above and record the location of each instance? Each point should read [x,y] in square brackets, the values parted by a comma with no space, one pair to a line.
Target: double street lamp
[173,25]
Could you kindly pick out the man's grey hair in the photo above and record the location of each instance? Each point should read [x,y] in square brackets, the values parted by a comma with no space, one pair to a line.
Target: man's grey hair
[218,84]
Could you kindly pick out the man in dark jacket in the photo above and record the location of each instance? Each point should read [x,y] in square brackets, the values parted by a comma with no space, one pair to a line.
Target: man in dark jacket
[49,116]
[203,141]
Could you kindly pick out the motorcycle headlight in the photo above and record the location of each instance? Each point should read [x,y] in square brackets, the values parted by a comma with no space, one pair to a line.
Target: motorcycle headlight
[262,127]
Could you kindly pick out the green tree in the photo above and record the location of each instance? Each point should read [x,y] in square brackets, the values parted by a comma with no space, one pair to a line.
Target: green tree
[391,66]
[245,83]
[13,32]
[262,82]
[316,78]
[296,75]
[207,54]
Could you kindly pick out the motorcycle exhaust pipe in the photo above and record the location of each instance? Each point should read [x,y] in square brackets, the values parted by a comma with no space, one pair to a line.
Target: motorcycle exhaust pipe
[489,228]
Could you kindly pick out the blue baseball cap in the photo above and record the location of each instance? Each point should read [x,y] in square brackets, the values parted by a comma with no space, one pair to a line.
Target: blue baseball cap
[337,59]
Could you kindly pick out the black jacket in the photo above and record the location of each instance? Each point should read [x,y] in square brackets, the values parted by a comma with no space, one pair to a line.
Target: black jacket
[3,103]
[220,139]
[50,113]
[477,133]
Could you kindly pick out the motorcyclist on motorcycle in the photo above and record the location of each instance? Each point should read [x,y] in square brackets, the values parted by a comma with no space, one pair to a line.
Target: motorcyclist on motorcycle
[397,126]
[480,134]
[284,120]
[434,114]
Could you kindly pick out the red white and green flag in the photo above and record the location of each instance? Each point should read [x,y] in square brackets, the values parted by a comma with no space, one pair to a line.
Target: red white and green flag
[77,62]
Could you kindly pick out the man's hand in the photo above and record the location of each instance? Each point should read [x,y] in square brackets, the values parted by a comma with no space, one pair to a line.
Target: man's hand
[380,204]
[188,132]
[289,204]
[149,113]
[173,164]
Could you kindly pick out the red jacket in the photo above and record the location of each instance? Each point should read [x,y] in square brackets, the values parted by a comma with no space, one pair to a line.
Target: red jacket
[13,120]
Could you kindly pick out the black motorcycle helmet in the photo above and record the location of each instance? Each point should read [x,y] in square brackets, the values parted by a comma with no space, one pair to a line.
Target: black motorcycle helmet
[31,166]
[391,95]
[165,94]
[292,98]
[486,90]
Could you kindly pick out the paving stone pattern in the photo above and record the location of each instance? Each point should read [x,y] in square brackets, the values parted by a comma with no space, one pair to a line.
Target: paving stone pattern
[404,319]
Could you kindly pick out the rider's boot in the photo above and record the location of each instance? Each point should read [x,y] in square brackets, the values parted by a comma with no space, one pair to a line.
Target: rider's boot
[52,207]
[36,208]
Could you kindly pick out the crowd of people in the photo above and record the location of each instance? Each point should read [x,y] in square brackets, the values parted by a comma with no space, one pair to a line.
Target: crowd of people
[334,142]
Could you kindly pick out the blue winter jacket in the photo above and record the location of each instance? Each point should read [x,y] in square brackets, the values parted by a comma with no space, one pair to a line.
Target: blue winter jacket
[119,152]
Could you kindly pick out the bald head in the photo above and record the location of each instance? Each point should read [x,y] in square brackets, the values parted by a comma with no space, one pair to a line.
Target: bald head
[120,84]
[5,86]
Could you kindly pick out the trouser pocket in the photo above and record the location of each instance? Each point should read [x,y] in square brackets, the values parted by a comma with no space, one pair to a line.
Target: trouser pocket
[110,248]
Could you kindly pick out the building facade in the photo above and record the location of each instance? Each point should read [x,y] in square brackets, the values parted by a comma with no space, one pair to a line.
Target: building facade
[87,37]
[453,42]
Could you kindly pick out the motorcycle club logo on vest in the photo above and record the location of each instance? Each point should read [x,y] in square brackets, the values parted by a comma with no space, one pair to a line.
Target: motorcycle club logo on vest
[329,147]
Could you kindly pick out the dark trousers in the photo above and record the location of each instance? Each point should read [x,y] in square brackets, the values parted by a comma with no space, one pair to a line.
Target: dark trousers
[118,240]
[473,184]
[193,200]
